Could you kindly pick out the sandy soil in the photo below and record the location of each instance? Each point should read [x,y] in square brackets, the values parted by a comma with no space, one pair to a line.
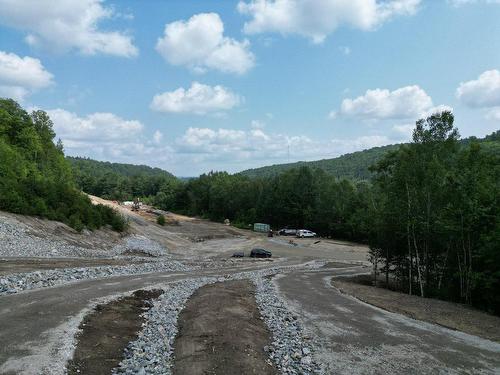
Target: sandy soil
[447,314]
[220,332]
[106,332]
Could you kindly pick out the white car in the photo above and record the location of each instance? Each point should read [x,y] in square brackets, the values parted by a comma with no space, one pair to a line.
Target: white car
[305,233]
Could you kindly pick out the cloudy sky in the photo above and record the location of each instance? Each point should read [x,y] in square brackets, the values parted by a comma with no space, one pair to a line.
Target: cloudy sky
[192,86]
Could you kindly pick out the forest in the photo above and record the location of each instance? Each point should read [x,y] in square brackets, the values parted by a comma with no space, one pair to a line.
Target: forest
[35,179]
[430,212]
[116,181]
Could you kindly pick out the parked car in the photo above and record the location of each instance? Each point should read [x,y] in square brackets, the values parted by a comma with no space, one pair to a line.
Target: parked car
[287,232]
[239,254]
[305,233]
[260,253]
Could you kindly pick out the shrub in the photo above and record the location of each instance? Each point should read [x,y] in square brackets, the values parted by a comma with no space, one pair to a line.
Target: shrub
[160,220]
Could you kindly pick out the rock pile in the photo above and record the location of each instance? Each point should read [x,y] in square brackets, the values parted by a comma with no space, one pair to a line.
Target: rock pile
[40,279]
[18,241]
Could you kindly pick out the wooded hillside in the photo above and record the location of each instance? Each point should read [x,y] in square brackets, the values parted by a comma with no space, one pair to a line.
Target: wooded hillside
[118,181]
[35,179]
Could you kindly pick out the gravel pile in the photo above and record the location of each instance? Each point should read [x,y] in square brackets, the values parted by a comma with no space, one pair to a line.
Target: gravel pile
[291,350]
[136,244]
[152,352]
[40,279]
[17,241]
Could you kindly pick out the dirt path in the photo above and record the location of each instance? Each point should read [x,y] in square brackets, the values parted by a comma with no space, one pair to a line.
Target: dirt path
[356,338]
[220,332]
[107,331]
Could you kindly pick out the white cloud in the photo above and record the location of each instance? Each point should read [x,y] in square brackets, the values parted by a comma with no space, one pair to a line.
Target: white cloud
[493,114]
[483,92]
[316,19]
[97,127]
[199,99]
[157,137]
[235,150]
[199,43]
[403,131]
[66,24]
[20,76]
[405,102]
[106,136]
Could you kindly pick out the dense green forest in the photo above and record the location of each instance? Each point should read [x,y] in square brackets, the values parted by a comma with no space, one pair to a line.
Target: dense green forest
[117,181]
[35,179]
[356,165]
[430,213]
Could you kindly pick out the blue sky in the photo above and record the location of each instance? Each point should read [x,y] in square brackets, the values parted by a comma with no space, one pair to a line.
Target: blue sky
[193,86]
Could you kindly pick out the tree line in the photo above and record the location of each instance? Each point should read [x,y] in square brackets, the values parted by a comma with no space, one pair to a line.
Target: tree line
[430,213]
[35,179]
[117,181]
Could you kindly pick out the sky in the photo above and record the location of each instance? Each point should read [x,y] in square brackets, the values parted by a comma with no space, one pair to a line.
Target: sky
[193,86]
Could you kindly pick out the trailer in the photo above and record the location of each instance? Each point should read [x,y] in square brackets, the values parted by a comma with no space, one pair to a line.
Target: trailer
[260,227]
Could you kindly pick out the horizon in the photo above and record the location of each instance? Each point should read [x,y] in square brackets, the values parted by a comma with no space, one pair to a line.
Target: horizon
[190,87]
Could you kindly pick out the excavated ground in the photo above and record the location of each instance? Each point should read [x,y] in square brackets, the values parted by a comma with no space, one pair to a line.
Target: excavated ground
[106,332]
[220,332]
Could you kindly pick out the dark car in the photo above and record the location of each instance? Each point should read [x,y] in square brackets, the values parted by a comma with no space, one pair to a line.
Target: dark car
[239,254]
[287,232]
[260,253]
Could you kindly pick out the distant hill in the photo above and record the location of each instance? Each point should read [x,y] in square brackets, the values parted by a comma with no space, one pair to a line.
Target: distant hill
[103,167]
[116,180]
[356,165]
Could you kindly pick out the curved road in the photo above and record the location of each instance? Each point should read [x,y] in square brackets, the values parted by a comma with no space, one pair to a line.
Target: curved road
[356,338]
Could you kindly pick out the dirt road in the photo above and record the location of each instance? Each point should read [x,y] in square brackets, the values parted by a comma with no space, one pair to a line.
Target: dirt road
[37,325]
[220,332]
[357,338]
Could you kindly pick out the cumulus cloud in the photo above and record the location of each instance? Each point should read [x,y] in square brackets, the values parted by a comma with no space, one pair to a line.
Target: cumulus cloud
[65,25]
[21,76]
[405,102]
[106,136]
[99,127]
[199,99]
[482,92]
[199,43]
[239,149]
[315,19]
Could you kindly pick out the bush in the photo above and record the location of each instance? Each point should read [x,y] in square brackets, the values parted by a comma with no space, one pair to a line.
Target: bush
[160,220]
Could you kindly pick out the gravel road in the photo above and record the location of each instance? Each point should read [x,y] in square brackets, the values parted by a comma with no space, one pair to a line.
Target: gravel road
[356,338]
[37,326]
